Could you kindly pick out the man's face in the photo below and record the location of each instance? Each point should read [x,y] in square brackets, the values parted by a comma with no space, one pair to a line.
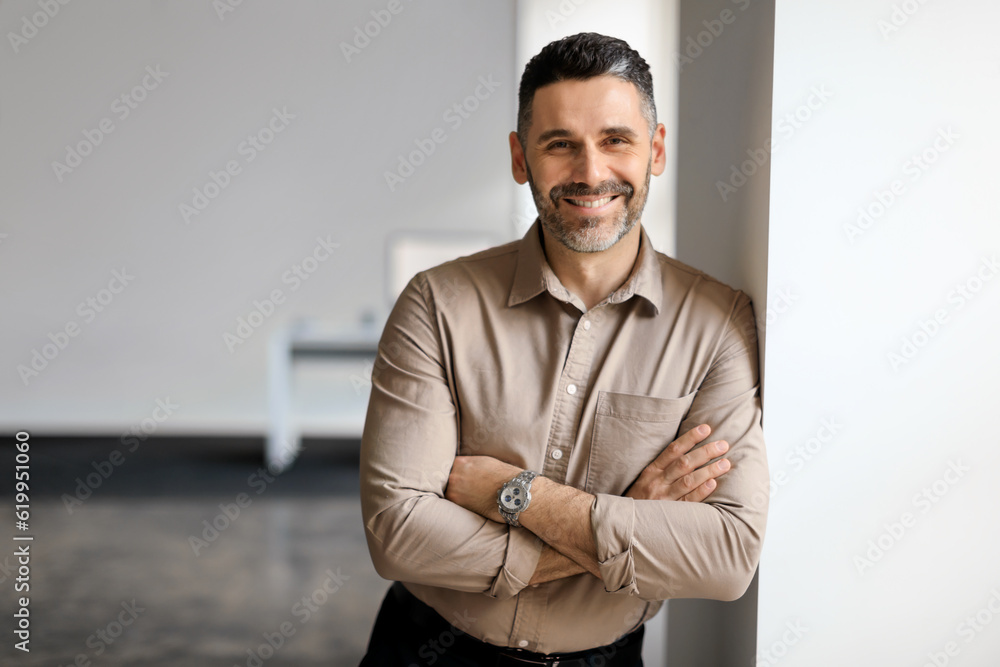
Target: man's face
[588,159]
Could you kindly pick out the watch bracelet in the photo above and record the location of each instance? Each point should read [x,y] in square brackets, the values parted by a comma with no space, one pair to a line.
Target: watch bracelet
[525,477]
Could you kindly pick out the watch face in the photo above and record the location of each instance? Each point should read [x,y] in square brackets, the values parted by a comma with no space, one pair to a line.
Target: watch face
[512,498]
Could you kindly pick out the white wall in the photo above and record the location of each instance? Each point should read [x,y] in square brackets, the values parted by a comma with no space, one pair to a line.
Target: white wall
[322,176]
[882,545]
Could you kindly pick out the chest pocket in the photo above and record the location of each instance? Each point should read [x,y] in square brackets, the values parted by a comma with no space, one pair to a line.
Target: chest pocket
[629,432]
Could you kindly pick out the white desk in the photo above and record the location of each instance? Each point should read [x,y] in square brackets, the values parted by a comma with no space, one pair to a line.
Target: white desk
[301,341]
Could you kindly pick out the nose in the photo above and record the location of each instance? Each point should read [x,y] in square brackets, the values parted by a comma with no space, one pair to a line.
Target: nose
[590,166]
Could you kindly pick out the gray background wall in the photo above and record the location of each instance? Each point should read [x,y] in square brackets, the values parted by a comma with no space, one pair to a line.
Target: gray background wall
[321,176]
[724,60]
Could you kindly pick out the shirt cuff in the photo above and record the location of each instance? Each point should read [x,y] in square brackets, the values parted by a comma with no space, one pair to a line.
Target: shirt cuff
[613,521]
[520,561]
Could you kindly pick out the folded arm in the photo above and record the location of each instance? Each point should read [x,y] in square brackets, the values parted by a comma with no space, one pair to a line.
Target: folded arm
[660,550]
[646,543]
[408,447]
[561,515]
[553,565]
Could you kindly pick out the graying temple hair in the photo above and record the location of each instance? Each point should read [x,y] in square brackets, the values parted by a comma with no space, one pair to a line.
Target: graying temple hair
[579,57]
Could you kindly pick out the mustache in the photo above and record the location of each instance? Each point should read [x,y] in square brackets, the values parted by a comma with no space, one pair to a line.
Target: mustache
[583,190]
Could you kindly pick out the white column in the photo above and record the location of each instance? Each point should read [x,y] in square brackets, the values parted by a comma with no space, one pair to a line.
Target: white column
[882,369]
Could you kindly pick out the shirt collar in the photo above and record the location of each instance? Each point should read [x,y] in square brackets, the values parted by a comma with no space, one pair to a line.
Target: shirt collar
[533,274]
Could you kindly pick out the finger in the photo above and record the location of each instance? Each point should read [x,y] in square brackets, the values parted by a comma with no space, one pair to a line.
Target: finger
[702,492]
[693,485]
[681,446]
[694,460]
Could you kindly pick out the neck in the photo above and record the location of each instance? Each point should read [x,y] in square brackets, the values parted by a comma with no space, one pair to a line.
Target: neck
[592,276]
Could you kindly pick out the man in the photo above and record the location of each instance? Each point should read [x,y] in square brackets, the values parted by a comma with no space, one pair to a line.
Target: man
[515,468]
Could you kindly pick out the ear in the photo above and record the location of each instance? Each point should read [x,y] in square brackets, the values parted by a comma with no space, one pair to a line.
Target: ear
[659,155]
[518,166]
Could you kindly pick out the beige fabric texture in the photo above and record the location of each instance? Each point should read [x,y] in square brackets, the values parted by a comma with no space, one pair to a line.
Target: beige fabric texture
[489,354]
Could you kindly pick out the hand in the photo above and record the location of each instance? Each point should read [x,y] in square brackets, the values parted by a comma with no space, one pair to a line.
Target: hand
[474,482]
[679,473]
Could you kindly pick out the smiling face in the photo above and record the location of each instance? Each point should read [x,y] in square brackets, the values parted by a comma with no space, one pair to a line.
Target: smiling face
[588,158]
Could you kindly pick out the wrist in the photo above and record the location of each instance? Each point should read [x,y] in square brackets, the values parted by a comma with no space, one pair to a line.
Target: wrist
[514,496]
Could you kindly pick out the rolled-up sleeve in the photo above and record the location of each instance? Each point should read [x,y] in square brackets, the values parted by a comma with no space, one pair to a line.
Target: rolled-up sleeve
[662,549]
[408,447]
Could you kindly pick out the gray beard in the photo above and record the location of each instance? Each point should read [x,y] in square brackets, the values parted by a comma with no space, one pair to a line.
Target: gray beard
[601,232]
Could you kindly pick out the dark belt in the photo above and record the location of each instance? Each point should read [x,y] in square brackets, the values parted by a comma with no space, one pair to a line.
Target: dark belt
[626,651]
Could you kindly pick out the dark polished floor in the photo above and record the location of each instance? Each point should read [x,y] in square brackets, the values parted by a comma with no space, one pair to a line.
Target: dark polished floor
[132,575]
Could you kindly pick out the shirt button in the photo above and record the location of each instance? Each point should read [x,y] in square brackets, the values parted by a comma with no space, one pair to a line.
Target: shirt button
[557,454]
[571,389]
[523,643]
[586,325]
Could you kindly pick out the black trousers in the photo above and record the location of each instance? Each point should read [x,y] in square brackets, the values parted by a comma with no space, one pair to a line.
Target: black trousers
[408,633]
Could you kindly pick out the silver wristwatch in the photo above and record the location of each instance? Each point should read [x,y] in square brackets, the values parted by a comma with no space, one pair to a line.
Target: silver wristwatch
[514,496]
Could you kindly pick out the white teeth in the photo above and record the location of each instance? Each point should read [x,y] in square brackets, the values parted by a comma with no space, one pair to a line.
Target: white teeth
[591,204]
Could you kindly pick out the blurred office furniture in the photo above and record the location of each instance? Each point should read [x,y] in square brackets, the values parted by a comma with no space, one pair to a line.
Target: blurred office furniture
[352,345]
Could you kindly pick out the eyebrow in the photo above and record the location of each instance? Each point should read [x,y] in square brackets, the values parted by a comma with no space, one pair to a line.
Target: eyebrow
[562,133]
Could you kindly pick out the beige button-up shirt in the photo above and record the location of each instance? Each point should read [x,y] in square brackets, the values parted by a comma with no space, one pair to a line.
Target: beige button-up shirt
[489,354]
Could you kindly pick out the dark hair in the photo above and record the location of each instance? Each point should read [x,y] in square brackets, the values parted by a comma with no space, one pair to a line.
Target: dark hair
[584,56]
